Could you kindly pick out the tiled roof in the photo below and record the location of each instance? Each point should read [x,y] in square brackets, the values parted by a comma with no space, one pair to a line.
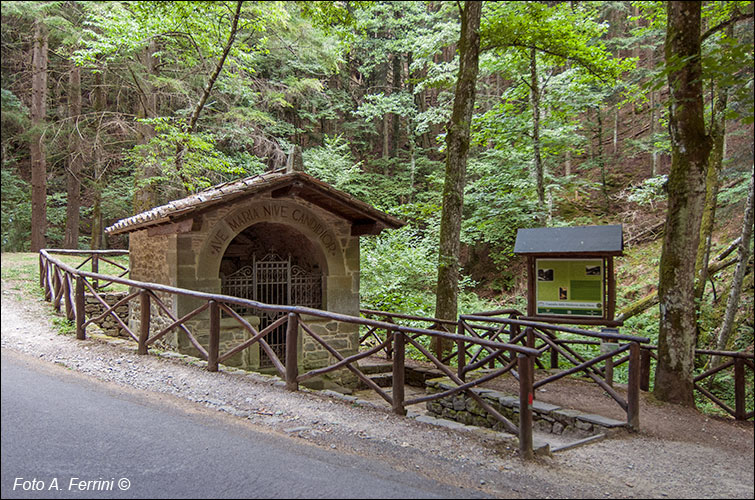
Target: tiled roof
[314,190]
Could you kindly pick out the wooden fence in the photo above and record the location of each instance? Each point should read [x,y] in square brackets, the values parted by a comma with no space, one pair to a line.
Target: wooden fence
[614,344]
[479,342]
[66,284]
[635,350]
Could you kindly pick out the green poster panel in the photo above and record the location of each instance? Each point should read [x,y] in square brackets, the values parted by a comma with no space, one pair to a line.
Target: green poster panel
[570,287]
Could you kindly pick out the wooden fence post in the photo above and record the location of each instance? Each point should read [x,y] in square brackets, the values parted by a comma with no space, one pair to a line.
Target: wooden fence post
[398,373]
[144,303]
[80,309]
[214,346]
[461,353]
[526,369]
[48,279]
[390,348]
[513,332]
[57,286]
[95,269]
[554,358]
[292,354]
[67,297]
[605,348]
[645,370]
[740,408]
[530,332]
[41,271]
[633,387]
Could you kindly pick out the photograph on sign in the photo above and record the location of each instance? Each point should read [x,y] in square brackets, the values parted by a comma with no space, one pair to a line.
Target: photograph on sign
[570,287]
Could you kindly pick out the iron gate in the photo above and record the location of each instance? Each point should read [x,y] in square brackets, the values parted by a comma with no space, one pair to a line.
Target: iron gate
[273,280]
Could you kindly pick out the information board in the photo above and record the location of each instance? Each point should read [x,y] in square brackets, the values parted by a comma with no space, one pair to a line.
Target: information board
[570,287]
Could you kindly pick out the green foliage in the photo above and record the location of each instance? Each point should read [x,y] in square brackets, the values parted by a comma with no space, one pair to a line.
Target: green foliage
[117,196]
[202,166]
[398,272]
[500,198]
[63,326]
[334,164]
[649,192]
[560,31]
[192,32]
[14,114]
[16,212]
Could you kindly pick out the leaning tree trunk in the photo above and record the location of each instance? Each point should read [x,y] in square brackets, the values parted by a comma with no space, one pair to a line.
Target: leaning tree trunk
[75,161]
[457,146]
[182,146]
[712,186]
[37,147]
[690,146]
[736,287]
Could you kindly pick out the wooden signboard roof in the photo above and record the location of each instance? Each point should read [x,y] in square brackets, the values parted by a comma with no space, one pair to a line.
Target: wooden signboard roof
[365,219]
[576,240]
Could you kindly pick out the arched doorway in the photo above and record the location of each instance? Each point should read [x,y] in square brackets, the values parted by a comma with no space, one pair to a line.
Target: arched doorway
[273,264]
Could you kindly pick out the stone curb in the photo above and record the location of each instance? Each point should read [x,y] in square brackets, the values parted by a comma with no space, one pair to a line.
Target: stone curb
[548,417]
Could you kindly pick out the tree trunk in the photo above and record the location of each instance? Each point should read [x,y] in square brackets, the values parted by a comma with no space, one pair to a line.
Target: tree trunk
[535,102]
[457,147]
[192,123]
[96,241]
[601,158]
[395,89]
[145,194]
[690,146]
[38,159]
[386,147]
[712,186]
[75,162]
[739,273]
[615,130]
[653,122]
[411,137]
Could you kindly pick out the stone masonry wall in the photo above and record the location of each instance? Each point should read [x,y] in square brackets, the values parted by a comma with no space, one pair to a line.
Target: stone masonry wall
[108,324]
[152,259]
[546,417]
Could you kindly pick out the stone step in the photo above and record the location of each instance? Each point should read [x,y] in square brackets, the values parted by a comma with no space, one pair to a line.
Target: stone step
[382,374]
[547,418]
[382,379]
[370,368]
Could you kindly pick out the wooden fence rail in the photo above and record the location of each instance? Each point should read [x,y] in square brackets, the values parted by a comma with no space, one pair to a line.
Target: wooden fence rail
[534,332]
[54,272]
[640,359]
[478,342]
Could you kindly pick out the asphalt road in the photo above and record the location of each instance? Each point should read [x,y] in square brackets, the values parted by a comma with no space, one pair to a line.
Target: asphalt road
[65,435]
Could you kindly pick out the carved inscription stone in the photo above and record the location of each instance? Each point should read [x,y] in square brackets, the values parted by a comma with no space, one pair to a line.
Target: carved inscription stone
[271,211]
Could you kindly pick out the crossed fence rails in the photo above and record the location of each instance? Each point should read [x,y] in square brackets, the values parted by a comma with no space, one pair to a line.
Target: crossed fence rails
[64,284]
[620,349]
[477,343]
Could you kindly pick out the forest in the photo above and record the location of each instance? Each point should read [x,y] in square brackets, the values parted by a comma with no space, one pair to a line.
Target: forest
[467,120]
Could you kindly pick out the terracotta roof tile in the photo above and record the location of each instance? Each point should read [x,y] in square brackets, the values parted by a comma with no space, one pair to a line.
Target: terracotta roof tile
[251,185]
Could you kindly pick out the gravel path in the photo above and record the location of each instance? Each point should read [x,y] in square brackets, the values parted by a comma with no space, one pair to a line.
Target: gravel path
[623,466]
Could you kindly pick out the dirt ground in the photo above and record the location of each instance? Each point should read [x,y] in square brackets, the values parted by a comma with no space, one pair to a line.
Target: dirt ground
[657,420]
[678,453]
